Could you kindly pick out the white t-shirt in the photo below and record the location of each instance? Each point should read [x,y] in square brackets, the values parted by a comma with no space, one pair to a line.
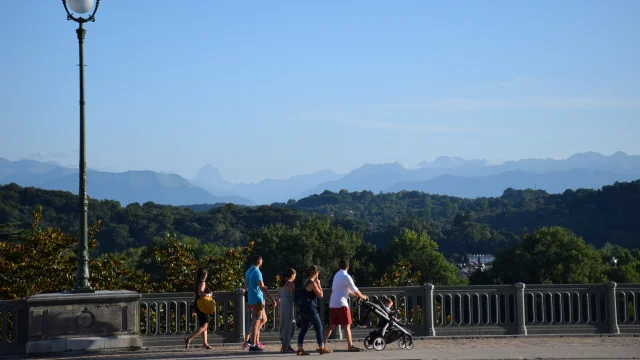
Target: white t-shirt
[342,284]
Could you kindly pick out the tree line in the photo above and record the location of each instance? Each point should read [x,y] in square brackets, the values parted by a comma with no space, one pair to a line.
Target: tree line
[392,239]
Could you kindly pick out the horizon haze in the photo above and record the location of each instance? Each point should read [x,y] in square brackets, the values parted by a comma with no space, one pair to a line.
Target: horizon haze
[451,176]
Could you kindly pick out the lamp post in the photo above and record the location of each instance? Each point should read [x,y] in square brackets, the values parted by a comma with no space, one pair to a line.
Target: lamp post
[82,275]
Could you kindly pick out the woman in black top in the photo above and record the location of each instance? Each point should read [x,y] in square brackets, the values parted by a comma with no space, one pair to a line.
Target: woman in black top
[311,291]
[200,289]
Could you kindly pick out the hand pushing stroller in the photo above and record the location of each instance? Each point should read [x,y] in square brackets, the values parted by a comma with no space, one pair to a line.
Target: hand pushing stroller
[386,331]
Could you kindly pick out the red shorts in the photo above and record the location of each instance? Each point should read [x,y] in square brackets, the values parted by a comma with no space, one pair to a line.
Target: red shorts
[340,316]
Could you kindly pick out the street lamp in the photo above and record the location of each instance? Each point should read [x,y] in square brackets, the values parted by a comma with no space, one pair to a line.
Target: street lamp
[82,275]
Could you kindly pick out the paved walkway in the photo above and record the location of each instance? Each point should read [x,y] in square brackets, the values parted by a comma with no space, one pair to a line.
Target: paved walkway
[487,348]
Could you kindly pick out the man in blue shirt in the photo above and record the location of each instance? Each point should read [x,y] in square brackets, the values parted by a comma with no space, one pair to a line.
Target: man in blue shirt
[254,285]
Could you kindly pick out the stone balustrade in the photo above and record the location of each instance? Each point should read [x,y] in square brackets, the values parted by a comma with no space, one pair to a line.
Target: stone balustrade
[164,319]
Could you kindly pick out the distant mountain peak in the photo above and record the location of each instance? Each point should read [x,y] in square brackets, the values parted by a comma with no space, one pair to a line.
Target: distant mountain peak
[369,168]
[586,156]
[210,174]
[620,154]
[451,162]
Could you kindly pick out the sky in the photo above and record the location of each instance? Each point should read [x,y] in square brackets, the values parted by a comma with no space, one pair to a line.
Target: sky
[270,89]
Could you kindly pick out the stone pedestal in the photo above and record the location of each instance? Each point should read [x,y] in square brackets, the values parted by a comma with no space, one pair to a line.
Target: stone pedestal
[77,322]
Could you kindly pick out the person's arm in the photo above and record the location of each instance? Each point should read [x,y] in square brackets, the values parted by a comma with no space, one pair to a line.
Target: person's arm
[316,288]
[353,289]
[201,288]
[265,290]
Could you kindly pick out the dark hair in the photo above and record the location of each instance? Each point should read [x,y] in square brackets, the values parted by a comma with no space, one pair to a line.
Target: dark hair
[200,274]
[285,276]
[388,300]
[312,270]
[256,259]
[343,264]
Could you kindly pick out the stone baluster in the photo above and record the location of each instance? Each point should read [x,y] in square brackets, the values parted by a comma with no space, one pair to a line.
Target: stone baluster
[239,315]
[612,308]
[428,313]
[520,309]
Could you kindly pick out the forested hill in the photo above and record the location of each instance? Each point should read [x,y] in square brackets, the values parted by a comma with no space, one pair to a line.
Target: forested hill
[458,225]
[610,214]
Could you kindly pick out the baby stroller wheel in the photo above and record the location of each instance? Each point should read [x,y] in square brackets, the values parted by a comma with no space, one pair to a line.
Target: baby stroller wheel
[409,345]
[379,343]
[402,343]
[368,344]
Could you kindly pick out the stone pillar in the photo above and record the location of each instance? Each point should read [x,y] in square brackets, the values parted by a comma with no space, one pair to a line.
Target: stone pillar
[103,320]
[520,309]
[612,309]
[428,313]
[239,315]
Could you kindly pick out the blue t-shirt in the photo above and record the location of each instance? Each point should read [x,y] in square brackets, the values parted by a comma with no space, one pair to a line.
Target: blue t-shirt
[252,277]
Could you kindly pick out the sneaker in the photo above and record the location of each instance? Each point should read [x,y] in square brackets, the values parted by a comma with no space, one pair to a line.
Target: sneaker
[301,352]
[324,350]
[255,348]
[260,345]
[245,345]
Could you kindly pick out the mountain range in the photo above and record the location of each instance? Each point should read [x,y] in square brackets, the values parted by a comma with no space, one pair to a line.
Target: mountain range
[126,187]
[452,176]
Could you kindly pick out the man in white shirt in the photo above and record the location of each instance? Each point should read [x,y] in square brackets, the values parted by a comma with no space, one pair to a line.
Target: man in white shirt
[340,313]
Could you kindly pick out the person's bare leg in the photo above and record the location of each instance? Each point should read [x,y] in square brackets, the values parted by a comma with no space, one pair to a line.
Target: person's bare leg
[255,330]
[327,333]
[263,321]
[196,333]
[204,335]
[347,330]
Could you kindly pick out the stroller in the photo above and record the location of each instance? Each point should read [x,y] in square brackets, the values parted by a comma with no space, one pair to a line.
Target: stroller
[386,331]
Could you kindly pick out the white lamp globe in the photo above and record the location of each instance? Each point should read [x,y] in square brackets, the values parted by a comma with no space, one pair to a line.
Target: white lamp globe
[80,6]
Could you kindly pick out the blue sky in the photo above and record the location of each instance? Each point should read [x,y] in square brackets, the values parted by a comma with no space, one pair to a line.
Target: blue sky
[277,88]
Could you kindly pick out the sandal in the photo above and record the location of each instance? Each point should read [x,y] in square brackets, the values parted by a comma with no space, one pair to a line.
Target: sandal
[355,349]
[207,347]
[186,343]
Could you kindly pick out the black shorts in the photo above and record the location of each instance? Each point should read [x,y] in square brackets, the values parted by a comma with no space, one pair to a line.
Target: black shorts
[202,317]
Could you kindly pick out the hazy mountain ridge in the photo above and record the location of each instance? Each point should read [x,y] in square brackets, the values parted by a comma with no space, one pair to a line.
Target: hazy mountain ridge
[454,176]
[385,177]
[494,185]
[266,191]
[126,187]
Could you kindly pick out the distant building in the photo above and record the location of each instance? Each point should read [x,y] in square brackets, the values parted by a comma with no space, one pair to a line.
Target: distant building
[480,259]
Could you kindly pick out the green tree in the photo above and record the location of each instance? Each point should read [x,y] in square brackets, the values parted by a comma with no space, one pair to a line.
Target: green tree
[549,256]
[312,242]
[627,269]
[399,274]
[422,254]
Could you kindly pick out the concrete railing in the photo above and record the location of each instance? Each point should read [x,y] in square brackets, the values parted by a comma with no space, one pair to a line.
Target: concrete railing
[13,327]
[626,306]
[50,323]
[517,309]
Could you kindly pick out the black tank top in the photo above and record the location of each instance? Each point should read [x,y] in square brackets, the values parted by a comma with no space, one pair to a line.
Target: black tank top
[311,296]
